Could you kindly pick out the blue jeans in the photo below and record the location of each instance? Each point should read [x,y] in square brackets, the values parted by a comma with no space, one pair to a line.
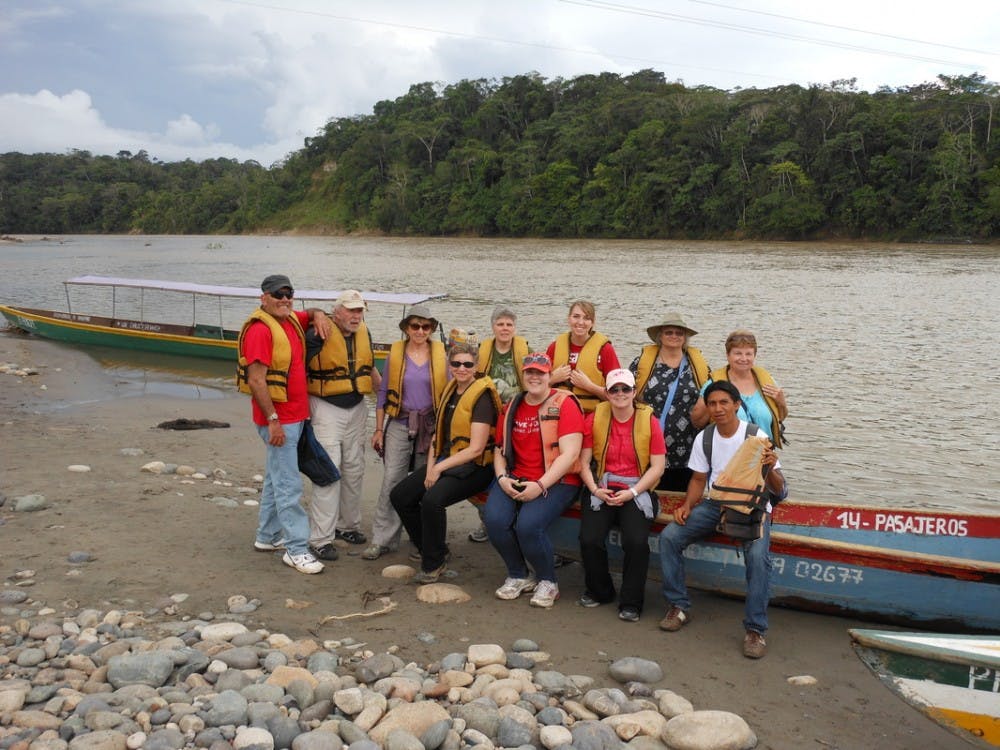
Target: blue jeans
[675,538]
[519,531]
[281,513]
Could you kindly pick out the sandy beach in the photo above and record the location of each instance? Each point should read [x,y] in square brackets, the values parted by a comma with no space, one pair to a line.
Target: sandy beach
[154,535]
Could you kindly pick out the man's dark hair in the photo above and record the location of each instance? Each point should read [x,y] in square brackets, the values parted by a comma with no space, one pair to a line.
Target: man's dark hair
[726,387]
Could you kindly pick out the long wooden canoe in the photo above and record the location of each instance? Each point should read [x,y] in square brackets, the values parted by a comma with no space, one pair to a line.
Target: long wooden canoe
[932,569]
[953,679]
[194,339]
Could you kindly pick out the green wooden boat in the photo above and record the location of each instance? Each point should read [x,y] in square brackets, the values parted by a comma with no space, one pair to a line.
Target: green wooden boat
[204,336]
[953,679]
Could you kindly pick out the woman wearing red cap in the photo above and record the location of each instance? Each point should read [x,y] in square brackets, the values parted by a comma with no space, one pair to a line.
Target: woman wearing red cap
[539,434]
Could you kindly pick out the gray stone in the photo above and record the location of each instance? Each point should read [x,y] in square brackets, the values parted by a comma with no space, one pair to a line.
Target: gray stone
[228,707]
[259,714]
[148,668]
[601,703]
[635,669]
[524,644]
[322,661]
[318,711]
[97,720]
[519,661]
[478,716]
[553,683]
[435,734]
[538,701]
[284,729]
[551,716]
[241,657]
[317,740]
[195,662]
[263,692]
[232,679]
[512,733]
[39,693]
[376,667]
[164,739]
[593,735]
[301,691]
[645,742]
[253,738]
[352,733]
[208,737]
[77,557]
[246,638]
[12,596]
[364,745]
[273,660]
[30,503]
[30,657]
[453,661]
[708,730]
[400,739]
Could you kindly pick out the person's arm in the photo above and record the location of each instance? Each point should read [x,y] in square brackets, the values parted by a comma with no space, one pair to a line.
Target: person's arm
[775,480]
[320,321]
[695,492]
[778,394]
[257,381]
[378,437]
[589,480]
[480,434]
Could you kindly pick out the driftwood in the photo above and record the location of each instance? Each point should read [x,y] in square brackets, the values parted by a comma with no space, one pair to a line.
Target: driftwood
[192,424]
[387,606]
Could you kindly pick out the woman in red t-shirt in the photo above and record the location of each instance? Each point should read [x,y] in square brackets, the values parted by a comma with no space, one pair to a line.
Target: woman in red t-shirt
[535,483]
[622,459]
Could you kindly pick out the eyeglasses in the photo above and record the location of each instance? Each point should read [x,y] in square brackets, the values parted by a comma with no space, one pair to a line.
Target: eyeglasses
[283,295]
[671,332]
[421,326]
[616,389]
[455,363]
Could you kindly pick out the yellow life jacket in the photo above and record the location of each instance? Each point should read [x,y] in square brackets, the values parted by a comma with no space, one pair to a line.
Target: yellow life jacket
[396,367]
[331,373]
[460,434]
[519,350]
[640,435]
[281,355]
[762,377]
[647,361]
[548,427]
[586,363]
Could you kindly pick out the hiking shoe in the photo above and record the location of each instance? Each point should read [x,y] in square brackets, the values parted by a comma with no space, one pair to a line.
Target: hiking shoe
[374,552]
[304,563]
[268,546]
[628,614]
[586,600]
[324,551]
[430,576]
[754,645]
[351,537]
[676,619]
[545,594]
[514,587]
[479,534]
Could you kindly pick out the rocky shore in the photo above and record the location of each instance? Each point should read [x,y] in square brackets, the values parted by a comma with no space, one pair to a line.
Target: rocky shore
[116,564]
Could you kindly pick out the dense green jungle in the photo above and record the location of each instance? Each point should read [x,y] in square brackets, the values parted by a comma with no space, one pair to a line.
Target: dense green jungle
[634,156]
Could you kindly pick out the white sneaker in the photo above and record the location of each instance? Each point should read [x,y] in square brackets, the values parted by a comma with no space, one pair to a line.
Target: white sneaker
[545,594]
[304,563]
[514,587]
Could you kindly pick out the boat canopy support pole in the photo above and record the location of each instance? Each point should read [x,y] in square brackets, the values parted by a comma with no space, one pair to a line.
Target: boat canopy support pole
[222,330]
[69,305]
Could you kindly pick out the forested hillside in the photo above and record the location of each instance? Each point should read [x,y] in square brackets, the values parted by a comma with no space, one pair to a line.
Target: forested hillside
[596,156]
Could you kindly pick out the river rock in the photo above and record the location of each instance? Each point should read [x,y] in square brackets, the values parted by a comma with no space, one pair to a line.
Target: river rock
[434,736]
[634,668]
[627,726]
[78,468]
[154,467]
[671,704]
[349,701]
[253,738]
[241,657]
[104,740]
[318,739]
[481,654]
[376,667]
[479,716]
[228,707]
[151,668]
[593,735]
[167,738]
[802,680]
[554,736]
[284,730]
[283,675]
[442,593]
[512,733]
[30,503]
[415,718]
[708,730]
[400,572]
[400,739]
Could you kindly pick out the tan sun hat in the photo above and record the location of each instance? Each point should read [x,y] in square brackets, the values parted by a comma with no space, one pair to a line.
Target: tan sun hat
[672,319]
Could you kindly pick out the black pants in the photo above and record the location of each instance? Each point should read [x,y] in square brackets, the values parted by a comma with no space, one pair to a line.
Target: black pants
[594,528]
[423,511]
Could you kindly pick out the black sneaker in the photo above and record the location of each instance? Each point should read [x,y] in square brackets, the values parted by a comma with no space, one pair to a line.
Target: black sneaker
[324,552]
[628,614]
[351,537]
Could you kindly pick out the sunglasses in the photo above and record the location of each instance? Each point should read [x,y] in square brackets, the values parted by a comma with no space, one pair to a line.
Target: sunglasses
[536,359]
[671,332]
[421,326]
[616,389]
[283,295]
[456,364]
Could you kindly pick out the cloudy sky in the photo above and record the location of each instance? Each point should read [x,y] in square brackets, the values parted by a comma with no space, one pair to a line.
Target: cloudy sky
[250,80]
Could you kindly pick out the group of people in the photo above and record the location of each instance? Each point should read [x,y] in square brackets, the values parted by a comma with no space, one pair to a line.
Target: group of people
[536,430]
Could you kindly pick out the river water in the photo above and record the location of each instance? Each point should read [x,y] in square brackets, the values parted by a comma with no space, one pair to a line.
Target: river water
[886,351]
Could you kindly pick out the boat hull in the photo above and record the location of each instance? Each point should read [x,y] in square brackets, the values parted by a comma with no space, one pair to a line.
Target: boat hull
[209,342]
[930,569]
[953,679]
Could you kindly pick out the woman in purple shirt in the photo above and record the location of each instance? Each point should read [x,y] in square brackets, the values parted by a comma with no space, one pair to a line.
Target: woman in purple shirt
[413,380]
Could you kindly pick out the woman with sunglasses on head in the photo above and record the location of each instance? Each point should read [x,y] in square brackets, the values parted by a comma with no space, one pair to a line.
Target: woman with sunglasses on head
[762,400]
[463,461]
[412,383]
[669,375]
[537,466]
[622,459]
[582,357]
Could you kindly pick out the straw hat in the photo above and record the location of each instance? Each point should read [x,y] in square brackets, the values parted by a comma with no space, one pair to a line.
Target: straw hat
[672,319]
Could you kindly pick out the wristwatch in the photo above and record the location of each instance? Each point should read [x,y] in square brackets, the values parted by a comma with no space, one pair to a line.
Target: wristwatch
[273,417]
